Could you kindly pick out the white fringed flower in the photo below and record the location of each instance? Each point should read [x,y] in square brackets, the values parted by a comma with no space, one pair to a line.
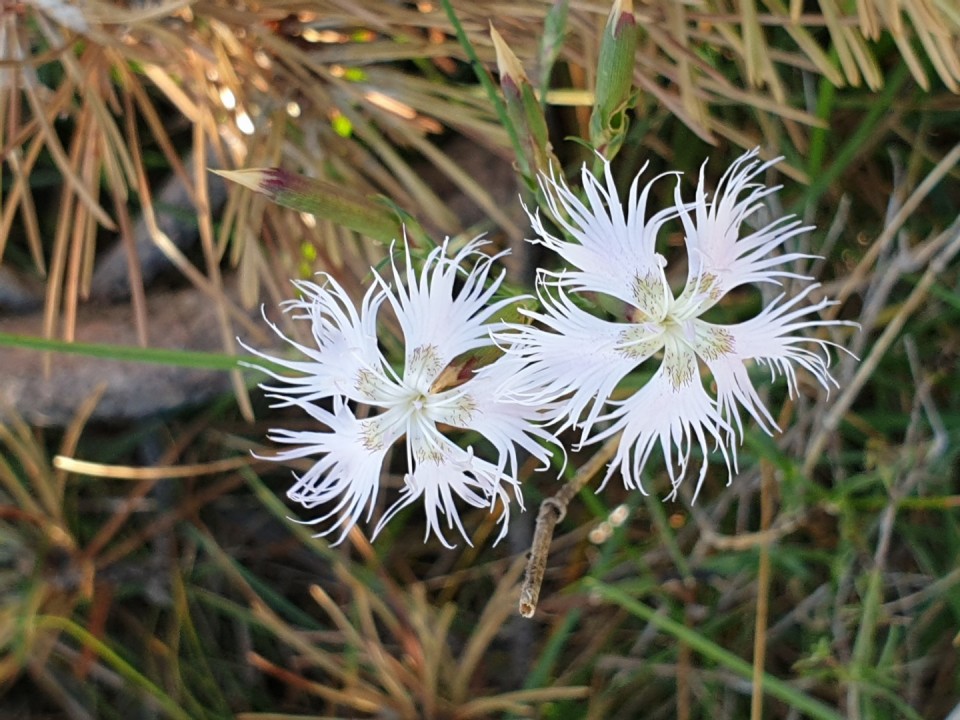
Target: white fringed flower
[443,313]
[574,359]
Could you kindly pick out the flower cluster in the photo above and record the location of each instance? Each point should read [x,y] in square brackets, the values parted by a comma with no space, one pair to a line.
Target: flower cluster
[565,369]
[442,316]
[612,252]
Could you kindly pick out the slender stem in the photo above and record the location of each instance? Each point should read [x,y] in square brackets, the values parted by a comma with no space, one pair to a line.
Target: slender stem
[484,77]
[763,592]
[552,511]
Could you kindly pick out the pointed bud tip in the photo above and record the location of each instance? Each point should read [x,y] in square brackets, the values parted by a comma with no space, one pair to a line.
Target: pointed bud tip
[268,181]
[508,65]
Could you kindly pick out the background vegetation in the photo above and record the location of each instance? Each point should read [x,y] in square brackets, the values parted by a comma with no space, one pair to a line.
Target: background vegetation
[148,567]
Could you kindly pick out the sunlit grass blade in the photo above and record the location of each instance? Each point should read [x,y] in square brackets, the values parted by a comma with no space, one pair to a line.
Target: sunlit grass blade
[774,686]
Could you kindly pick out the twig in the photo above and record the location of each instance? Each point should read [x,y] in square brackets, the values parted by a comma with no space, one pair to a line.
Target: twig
[552,511]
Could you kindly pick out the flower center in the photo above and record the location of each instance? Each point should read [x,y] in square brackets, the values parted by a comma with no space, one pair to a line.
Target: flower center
[419,402]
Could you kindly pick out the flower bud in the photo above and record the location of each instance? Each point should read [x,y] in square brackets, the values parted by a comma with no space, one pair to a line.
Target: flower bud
[323,199]
[524,111]
[608,124]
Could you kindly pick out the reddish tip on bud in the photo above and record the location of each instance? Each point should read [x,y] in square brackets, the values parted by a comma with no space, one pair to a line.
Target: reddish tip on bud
[262,180]
[524,111]
[324,199]
[274,179]
[621,17]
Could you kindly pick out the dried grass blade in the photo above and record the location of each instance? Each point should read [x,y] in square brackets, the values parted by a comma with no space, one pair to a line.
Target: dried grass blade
[519,701]
[115,156]
[333,611]
[179,260]
[431,628]
[263,615]
[808,46]
[905,46]
[115,660]
[159,77]
[388,669]
[468,185]
[878,350]
[941,61]
[686,82]
[865,59]
[760,102]
[357,698]
[869,21]
[500,606]
[110,14]
[212,258]
[424,198]
[378,604]
[754,46]
[56,150]
[70,213]
[763,591]
[881,245]
[839,38]
[83,242]
[950,10]
[158,131]
[16,435]
[891,11]
[71,438]
[137,292]
[22,196]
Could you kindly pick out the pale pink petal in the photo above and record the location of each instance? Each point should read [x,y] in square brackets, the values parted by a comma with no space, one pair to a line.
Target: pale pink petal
[673,411]
[719,258]
[444,313]
[573,363]
[346,360]
[477,406]
[347,472]
[777,338]
[450,475]
[611,245]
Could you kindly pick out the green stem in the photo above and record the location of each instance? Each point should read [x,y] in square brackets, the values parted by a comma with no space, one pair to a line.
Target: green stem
[484,77]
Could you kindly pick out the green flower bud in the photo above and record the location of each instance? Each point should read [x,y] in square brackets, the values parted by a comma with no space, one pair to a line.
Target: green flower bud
[608,123]
[524,111]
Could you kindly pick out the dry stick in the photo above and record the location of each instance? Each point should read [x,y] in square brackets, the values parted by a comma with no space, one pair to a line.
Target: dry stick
[552,511]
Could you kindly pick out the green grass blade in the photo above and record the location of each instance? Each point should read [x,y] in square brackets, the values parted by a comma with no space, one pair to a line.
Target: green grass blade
[121,666]
[160,356]
[772,686]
